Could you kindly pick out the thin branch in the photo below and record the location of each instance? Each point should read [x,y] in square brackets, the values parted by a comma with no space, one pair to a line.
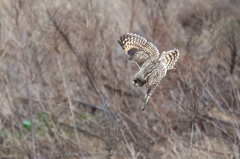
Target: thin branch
[69,101]
[69,44]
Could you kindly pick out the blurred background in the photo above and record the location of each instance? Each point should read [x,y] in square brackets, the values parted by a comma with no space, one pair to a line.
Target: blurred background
[66,89]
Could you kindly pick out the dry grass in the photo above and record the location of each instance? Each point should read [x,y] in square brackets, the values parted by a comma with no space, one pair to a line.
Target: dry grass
[66,88]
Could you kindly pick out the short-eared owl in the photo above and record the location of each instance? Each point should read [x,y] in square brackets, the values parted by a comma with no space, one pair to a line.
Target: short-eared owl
[152,66]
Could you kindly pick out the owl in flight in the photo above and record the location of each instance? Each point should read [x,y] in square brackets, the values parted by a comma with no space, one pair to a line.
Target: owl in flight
[152,66]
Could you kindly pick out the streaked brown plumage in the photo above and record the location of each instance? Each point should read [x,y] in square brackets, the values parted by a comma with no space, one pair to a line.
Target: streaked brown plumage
[152,66]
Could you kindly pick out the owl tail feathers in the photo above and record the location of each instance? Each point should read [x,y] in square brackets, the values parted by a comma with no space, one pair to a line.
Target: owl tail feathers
[170,58]
[148,95]
[144,107]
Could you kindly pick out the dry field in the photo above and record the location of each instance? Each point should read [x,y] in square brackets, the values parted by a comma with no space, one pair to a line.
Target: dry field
[66,89]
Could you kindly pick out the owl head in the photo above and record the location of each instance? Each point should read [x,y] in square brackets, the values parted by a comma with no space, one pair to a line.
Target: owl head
[139,82]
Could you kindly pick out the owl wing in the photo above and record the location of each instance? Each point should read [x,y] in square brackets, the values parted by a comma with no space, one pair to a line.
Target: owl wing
[170,58]
[153,80]
[137,48]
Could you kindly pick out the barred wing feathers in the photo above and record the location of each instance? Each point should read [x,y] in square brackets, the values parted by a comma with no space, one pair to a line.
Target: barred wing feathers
[170,58]
[137,48]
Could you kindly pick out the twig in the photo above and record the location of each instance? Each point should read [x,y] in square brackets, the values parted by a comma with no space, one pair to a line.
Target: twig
[94,108]
[69,101]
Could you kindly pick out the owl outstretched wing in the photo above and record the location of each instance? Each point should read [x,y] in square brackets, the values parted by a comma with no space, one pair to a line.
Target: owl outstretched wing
[137,48]
[153,80]
[170,58]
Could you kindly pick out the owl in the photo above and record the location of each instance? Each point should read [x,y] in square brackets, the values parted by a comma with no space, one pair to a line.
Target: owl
[152,66]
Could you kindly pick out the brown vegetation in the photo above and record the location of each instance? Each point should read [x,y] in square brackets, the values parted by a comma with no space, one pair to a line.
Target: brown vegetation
[66,89]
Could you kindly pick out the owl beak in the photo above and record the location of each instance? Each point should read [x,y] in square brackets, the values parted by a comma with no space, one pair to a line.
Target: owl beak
[172,69]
